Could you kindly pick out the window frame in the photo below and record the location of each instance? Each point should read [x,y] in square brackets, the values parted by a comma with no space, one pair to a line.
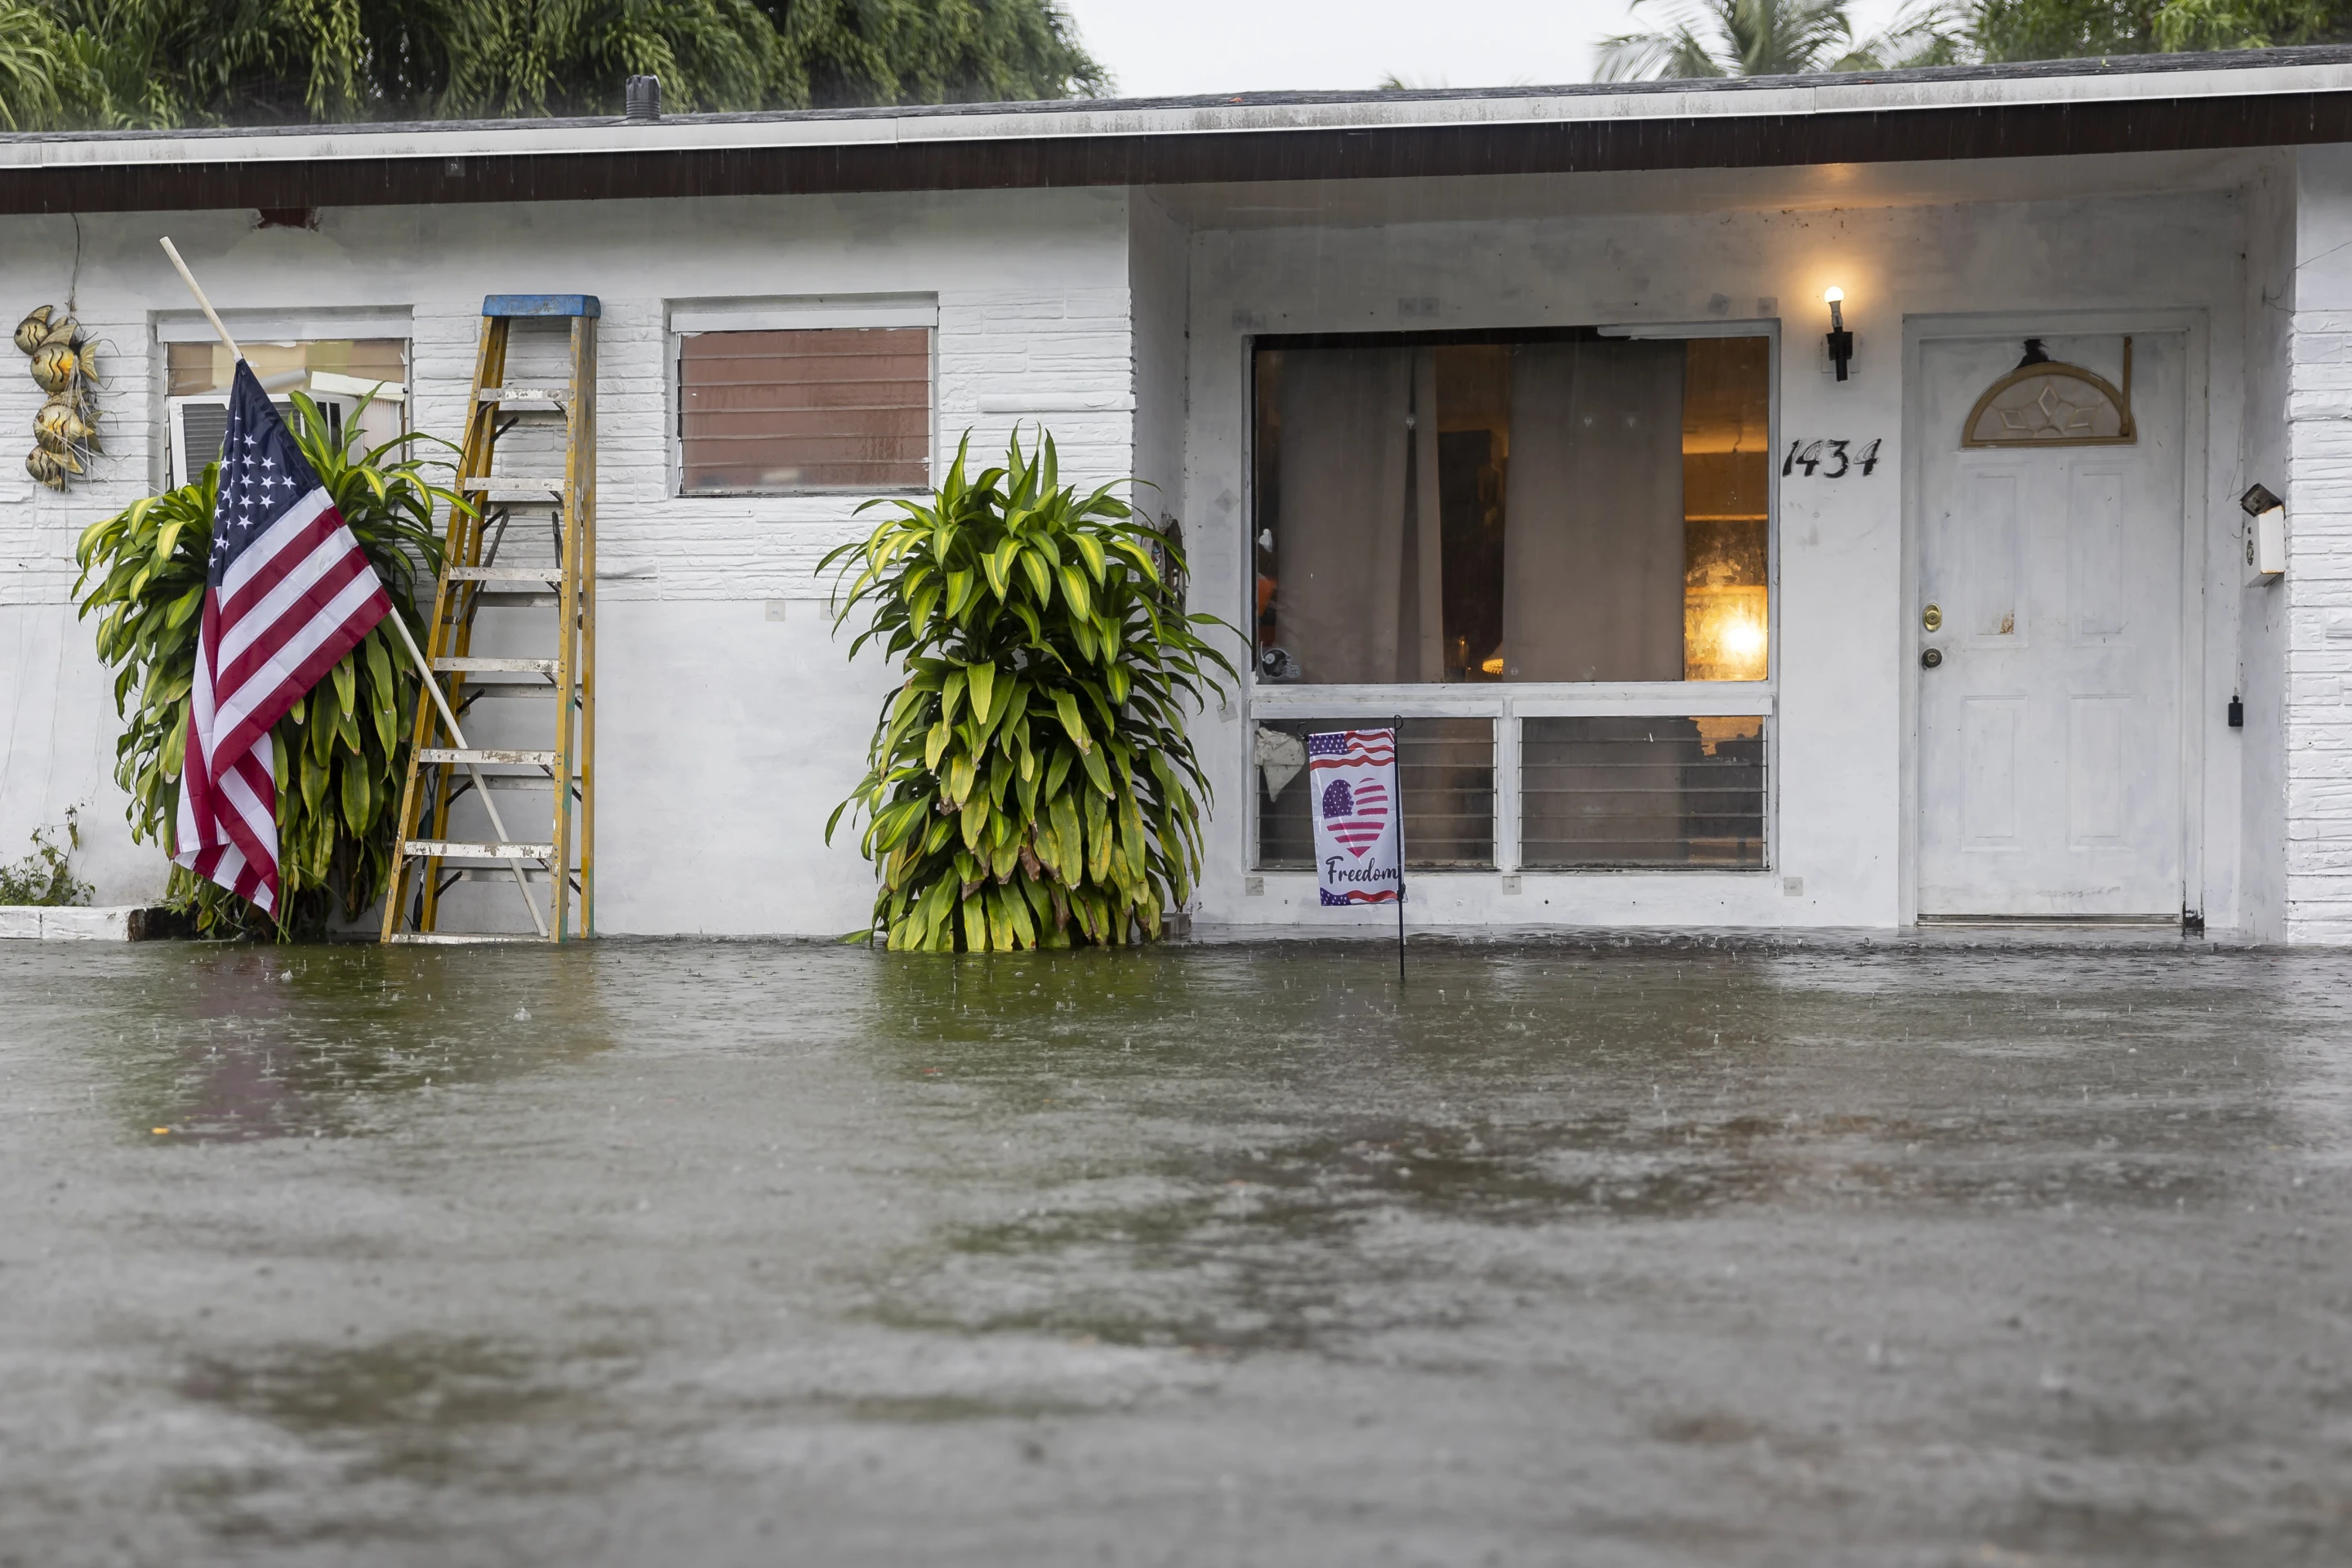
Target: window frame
[683,318]
[1506,702]
[275,327]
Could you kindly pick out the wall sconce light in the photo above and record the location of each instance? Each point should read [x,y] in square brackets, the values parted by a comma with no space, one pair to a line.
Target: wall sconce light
[1841,341]
[2266,535]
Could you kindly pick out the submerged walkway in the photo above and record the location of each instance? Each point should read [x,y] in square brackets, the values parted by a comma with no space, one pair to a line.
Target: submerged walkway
[688,1253]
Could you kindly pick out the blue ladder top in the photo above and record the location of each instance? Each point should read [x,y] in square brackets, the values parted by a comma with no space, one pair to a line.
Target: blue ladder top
[543,305]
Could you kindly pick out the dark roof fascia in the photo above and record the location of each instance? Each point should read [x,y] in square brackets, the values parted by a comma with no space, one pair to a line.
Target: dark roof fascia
[2151,120]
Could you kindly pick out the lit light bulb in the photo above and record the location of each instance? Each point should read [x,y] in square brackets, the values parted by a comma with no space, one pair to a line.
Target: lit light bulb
[1833,295]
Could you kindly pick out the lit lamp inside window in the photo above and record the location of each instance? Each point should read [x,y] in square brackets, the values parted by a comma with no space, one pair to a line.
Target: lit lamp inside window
[1727,479]
[1724,635]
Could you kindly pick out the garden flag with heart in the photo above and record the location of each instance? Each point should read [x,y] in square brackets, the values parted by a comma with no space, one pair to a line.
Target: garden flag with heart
[1352,792]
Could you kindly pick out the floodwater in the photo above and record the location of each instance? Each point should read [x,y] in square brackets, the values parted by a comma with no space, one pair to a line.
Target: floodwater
[729,1252]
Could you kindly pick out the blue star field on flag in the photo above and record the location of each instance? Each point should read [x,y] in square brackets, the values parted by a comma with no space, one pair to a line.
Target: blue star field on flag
[262,473]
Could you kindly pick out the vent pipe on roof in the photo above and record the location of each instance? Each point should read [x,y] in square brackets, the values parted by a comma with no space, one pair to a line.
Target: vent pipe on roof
[641,97]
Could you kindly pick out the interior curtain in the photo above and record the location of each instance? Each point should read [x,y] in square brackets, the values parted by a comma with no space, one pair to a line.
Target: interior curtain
[1345,445]
[1592,588]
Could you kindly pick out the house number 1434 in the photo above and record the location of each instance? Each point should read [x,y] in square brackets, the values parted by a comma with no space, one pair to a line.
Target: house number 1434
[1829,459]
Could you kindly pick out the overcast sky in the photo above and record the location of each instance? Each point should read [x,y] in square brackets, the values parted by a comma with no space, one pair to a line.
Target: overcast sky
[1166,48]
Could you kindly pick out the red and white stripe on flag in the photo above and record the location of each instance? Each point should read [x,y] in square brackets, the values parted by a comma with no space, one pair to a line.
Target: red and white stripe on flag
[289,593]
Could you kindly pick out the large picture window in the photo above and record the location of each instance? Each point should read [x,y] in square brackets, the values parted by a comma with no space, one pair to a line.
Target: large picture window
[1555,507]
[1551,552]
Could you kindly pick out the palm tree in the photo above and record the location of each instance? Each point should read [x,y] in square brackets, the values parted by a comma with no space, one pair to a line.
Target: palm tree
[1774,38]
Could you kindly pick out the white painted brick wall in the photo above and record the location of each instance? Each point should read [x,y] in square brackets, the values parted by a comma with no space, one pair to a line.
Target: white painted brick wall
[1004,357]
[2318,588]
[1059,356]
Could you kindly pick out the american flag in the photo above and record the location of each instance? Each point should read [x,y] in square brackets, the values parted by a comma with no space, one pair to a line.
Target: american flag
[287,593]
[1355,814]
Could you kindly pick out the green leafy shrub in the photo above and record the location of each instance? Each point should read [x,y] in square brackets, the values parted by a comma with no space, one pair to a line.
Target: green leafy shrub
[341,753]
[46,876]
[1030,783]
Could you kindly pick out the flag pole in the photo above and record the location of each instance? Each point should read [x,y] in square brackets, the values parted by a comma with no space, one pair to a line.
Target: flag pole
[424,669]
[202,304]
[1396,747]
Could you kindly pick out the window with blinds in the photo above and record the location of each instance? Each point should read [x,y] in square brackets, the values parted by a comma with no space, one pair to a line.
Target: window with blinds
[1658,793]
[1447,775]
[832,409]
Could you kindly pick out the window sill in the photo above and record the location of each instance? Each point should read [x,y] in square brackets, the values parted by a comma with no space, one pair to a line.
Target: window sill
[1694,699]
[1289,878]
[851,493]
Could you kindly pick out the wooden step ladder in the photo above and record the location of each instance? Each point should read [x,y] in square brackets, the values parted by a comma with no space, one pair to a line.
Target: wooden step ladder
[496,568]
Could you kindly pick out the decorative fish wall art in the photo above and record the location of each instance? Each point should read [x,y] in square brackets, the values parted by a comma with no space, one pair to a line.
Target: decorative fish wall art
[65,429]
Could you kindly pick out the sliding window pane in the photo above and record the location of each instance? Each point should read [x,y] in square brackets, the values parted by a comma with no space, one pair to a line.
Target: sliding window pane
[1646,793]
[1448,767]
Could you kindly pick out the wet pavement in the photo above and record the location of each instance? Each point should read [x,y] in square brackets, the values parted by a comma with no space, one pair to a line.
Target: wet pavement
[730,1253]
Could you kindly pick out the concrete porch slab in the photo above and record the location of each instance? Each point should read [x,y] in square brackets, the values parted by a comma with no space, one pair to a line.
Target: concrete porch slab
[115,922]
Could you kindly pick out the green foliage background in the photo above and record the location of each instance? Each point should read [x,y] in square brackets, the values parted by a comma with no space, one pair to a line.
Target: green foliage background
[1030,783]
[2065,29]
[1695,39]
[340,754]
[46,876]
[164,63]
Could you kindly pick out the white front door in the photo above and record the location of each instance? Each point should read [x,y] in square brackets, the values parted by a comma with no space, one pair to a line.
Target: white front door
[2050,723]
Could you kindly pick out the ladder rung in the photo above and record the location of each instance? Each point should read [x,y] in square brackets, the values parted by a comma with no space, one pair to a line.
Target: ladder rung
[485,754]
[526,394]
[498,873]
[523,781]
[475,688]
[438,849]
[497,666]
[456,939]
[504,574]
[507,489]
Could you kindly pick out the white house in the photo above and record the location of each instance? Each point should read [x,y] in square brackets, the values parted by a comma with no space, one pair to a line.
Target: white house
[1512,413]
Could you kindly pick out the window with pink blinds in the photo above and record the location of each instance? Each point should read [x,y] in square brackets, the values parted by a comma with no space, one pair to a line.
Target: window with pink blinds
[834,408]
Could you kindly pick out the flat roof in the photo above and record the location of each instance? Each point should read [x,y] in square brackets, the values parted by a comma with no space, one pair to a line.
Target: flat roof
[2130,103]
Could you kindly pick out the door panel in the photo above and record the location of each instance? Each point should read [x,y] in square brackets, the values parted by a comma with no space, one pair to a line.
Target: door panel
[1992,548]
[2096,577]
[2049,733]
[2095,772]
[1988,727]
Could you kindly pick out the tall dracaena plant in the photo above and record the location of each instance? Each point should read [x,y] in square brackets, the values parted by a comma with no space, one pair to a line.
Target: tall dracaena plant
[1030,783]
[340,754]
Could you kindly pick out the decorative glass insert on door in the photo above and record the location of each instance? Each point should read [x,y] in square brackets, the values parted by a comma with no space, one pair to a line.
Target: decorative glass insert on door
[1448,767]
[1643,793]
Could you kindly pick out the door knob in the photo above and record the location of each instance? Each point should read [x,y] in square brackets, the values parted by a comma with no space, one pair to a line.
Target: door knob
[1932,657]
[1932,618]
